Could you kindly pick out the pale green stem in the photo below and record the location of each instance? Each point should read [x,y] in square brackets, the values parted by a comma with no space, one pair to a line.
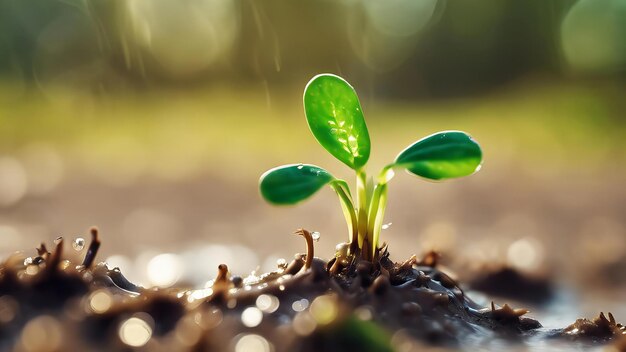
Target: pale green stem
[376,215]
[347,207]
[362,203]
[386,174]
[345,187]
[377,207]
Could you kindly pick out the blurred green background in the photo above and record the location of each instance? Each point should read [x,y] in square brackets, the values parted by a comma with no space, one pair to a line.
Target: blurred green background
[153,120]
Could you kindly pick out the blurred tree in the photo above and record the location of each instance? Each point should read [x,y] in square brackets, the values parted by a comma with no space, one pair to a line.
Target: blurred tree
[479,45]
[433,48]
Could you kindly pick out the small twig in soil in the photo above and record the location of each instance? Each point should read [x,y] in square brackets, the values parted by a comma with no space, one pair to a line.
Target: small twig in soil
[55,257]
[42,250]
[222,284]
[93,248]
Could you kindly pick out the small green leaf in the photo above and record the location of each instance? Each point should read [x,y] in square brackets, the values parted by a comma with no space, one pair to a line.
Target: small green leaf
[290,184]
[442,155]
[335,117]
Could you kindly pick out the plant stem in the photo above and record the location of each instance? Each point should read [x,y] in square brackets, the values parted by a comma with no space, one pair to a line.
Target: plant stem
[345,187]
[386,174]
[376,216]
[377,207]
[362,203]
[341,187]
[309,247]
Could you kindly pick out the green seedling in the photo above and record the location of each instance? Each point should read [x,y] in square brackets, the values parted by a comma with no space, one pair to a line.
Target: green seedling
[335,118]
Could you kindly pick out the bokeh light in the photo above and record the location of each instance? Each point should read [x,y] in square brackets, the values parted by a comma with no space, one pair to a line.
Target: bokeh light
[13,181]
[135,332]
[209,29]
[165,269]
[251,317]
[267,303]
[252,342]
[385,35]
[525,254]
[100,301]
[42,334]
[593,36]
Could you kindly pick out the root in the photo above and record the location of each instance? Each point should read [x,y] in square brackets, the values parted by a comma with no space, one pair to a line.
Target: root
[309,246]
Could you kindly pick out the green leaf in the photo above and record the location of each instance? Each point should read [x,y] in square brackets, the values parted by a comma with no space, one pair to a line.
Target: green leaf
[335,117]
[290,184]
[443,155]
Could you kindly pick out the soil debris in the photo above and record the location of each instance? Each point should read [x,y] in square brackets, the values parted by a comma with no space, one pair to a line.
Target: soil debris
[599,328]
[306,305]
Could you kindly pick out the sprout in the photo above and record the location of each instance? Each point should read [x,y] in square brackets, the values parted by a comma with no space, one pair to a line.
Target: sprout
[335,118]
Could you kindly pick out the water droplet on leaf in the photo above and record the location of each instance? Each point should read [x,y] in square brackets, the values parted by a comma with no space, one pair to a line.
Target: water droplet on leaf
[315,235]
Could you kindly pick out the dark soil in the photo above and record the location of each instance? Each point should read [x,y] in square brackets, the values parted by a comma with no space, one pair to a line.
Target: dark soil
[48,303]
[510,283]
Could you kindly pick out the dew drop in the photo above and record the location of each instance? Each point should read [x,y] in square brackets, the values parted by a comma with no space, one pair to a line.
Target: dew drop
[315,235]
[281,263]
[58,240]
[78,244]
[333,131]
[300,166]
[386,226]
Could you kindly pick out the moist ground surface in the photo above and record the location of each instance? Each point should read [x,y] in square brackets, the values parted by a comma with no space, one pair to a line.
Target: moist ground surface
[51,303]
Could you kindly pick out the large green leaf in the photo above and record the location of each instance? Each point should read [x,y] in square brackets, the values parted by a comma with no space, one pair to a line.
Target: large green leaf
[290,184]
[442,155]
[335,117]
